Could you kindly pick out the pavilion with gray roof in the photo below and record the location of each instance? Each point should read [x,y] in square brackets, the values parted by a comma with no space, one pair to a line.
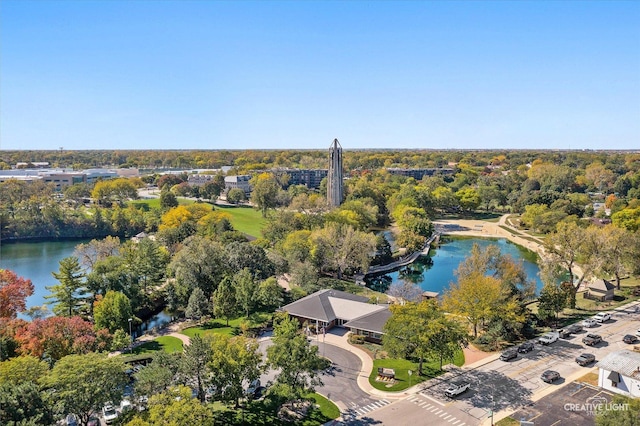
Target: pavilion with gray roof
[328,308]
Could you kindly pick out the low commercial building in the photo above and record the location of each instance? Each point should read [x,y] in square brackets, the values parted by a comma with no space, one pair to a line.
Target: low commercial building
[237,181]
[619,372]
[333,308]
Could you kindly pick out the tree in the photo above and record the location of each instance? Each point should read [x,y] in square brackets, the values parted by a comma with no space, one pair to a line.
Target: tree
[193,364]
[96,250]
[421,330]
[292,354]
[14,291]
[242,255]
[236,195]
[68,297]
[476,297]
[406,291]
[121,339]
[168,200]
[23,404]
[565,246]
[175,407]
[551,301]
[22,369]
[83,384]
[224,300]
[119,190]
[235,360]
[201,263]
[264,190]
[246,290]
[341,248]
[198,305]
[620,417]
[159,375]
[56,337]
[270,294]
[113,311]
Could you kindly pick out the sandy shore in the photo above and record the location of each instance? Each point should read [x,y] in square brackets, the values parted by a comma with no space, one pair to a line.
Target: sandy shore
[481,228]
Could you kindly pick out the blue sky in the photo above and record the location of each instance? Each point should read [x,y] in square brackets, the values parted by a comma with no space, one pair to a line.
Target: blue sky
[166,74]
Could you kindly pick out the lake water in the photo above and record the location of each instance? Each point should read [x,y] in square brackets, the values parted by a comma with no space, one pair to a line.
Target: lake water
[436,272]
[37,260]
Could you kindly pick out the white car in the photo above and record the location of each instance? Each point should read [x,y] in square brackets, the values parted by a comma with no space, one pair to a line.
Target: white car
[110,414]
[125,405]
[548,338]
[589,322]
[602,317]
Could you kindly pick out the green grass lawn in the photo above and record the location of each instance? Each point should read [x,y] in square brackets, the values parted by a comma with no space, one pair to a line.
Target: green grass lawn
[328,409]
[220,325]
[402,367]
[245,219]
[168,344]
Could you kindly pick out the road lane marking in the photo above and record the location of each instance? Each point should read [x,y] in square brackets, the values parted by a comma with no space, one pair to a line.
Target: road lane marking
[431,399]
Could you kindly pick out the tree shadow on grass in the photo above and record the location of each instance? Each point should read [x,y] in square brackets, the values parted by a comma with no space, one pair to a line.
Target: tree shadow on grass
[151,346]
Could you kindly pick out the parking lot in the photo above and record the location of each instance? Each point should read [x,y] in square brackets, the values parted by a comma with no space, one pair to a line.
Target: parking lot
[569,405]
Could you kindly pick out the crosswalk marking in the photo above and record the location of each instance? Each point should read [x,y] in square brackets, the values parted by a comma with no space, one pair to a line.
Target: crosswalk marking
[433,409]
[361,411]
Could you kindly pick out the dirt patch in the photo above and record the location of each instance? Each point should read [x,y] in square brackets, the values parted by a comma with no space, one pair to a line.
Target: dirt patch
[473,354]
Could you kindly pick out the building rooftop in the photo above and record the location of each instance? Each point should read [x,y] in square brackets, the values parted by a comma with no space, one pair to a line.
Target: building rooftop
[372,322]
[324,305]
[624,362]
[601,285]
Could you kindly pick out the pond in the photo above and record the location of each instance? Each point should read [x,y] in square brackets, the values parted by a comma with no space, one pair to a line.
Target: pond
[37,260]
[436,272]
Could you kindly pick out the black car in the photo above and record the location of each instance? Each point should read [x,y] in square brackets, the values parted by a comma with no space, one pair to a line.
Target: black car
[526,347]
[549,376]
[575,328]
[630,338]
[585,359]
[509,354]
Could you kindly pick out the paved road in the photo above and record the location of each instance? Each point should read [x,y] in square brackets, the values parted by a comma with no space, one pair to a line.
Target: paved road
[340,386]
[499,385]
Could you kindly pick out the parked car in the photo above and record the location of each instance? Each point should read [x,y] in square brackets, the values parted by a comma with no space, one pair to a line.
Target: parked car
[638,332]
[526,347]
[253,387]
[602,317]
[585,359]
[93,421]
[564,333]
[589,322]
[549,376]
[125,405]
[510,353]
[592,339]
[457,389]
[630,338]
[575,328]
[548,338]
[71,420]
[110,414]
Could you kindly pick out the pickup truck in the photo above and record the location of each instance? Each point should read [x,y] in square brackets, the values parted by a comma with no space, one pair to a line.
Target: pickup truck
[457,389]
[592,339]
[548,338]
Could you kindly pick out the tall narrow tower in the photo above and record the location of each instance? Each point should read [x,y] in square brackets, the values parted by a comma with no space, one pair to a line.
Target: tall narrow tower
[334,178]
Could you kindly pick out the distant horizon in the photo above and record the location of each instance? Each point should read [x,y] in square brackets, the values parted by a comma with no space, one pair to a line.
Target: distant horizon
[220,75]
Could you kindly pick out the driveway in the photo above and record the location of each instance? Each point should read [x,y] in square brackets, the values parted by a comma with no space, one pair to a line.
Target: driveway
[340,386]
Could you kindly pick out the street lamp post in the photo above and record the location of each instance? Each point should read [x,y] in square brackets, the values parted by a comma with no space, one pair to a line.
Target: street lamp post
[130,336]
